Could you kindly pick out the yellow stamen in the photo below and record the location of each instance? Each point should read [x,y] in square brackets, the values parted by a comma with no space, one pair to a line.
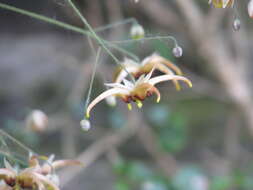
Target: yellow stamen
[178,87]
[158,99]
[129,106]
[87,115]
[139,103]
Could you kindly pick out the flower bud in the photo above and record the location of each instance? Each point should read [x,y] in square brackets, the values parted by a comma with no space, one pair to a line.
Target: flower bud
[177,51]
[137,32]
[111,101]
[250,8]
[236,24]
[85,125]
[37,121]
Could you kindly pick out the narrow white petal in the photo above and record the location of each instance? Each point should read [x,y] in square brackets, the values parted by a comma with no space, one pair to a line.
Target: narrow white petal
[128,84]
[115,85]
[148,76]
[156,80]
[104,95]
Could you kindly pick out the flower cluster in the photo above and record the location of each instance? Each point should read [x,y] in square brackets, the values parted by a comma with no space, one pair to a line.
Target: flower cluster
[222,3]
[35,176]
[144,86]
[230,3]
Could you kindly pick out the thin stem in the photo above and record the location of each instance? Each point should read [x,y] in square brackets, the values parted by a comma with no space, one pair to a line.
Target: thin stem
[3,133]
[99,40]
[115,24]
[44,18]
[146,39]
[68,27]
[92,79]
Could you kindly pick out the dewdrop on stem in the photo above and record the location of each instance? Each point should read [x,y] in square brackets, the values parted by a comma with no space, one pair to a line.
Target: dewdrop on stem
[177,51]
[85,125]
[137,31]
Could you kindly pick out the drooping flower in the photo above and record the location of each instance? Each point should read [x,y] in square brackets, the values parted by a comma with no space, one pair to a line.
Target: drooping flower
[136,92]
[250,8]
[222,3]
[37,121]
[34,176]
[161,64]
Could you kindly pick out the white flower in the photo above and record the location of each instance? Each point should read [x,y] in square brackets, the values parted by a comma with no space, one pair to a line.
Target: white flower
[222,3]
[135,92]
[160,63]
[37,121]
[250,8]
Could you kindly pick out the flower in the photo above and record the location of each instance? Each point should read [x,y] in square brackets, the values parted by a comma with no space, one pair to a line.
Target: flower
[222,3]
[34,176]
[137,31]
[161,64]
[37,121]
[250,8]
[135,92]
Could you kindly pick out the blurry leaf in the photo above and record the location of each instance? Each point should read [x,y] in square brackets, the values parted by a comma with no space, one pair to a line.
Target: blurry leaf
[138,172]
[153,185]
[174,137]
[120,167]
[221,183]
[158,115]
[120,185]
[163,49]
[117,119]
[190,178]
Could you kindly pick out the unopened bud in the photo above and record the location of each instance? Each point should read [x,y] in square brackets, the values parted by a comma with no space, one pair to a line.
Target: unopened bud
[37,121]
[236,24]
[137,32]
[85,125]
[111,101]
[250,8]
[177,51]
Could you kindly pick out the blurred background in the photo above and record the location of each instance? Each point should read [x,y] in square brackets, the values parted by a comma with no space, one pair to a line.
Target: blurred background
[194,139]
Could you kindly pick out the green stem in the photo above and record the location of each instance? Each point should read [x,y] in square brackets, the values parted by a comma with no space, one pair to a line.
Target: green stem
[99,40]
[44,18]
[68,27]
[92,78]
[109,26]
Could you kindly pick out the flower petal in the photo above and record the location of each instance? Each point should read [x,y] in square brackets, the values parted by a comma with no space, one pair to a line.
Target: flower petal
[155,58]
[47,167]
[128,84]
[102,96]
[166,70]
[116,85]
[6,173]
[156,80]
[44,180]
